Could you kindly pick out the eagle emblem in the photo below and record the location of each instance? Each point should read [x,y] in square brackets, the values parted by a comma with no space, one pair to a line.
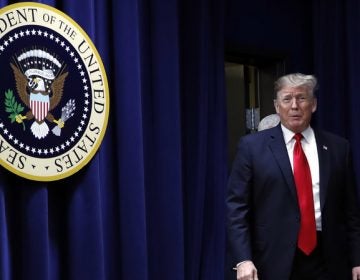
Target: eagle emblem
[40,79]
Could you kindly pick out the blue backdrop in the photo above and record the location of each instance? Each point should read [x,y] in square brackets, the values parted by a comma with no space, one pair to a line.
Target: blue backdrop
[336,51]
[149,205]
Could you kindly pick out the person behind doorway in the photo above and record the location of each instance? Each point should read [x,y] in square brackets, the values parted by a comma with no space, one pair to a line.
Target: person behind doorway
[268,122]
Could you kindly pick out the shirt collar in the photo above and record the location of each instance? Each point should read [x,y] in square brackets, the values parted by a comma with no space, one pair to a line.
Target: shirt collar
[308,134]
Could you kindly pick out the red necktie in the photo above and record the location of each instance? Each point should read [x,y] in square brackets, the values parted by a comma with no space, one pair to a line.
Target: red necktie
[302,176]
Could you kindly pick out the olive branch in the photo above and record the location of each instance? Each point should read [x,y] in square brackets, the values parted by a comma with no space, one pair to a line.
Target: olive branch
[12,107]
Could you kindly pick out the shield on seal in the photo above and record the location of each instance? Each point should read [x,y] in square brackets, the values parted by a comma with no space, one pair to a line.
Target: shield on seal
[39,105]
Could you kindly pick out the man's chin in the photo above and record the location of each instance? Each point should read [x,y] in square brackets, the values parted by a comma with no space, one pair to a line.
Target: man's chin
[296,126]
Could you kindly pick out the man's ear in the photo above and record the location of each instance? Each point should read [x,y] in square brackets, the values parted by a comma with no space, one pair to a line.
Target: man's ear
[314,106]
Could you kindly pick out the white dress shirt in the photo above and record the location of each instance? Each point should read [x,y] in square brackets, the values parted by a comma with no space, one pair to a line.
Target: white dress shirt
[309,146]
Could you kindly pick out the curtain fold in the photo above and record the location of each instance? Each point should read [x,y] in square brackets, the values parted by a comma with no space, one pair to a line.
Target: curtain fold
[5,261]
[204,137]
[150,204]
[337,65]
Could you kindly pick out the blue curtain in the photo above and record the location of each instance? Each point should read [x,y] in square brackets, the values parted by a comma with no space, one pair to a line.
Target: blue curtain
[150,204]
[336,27]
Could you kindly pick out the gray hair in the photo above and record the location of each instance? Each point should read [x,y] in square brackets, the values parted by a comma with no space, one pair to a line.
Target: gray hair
[296,80]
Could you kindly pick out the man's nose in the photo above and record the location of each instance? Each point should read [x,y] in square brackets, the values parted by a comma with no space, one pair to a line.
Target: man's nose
[294,103]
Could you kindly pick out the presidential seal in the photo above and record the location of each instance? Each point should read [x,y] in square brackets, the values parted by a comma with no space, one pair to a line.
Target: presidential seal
[54,95]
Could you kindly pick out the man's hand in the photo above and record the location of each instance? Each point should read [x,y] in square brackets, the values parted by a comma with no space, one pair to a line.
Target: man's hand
[356,273]
[246,271]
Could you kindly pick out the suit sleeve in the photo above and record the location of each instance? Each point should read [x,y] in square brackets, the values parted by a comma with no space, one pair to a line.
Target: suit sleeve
[239,204]
[353,213]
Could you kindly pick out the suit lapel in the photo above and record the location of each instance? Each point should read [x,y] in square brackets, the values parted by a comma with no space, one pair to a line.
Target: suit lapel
[324,165]
[278,148]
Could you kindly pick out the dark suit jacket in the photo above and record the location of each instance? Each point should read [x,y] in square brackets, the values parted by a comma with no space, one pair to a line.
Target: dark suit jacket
[263,213]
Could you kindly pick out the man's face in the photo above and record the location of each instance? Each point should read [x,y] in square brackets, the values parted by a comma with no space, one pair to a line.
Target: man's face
[295,106]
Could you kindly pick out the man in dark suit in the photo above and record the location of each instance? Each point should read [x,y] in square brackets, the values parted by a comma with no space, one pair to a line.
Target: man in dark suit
[292,202]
